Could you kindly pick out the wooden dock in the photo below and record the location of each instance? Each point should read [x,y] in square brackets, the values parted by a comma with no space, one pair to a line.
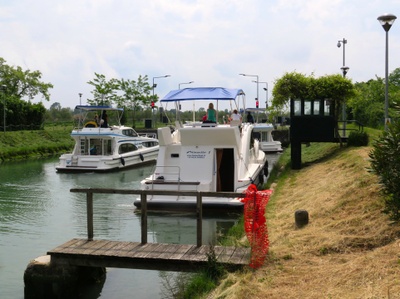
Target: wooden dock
[148,256]
[144,255]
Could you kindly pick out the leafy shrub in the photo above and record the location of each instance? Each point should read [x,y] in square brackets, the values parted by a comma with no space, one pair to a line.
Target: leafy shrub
[385,162]
[358,139]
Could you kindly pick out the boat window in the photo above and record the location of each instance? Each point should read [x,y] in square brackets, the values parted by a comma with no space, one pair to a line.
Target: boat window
[129,132]
[107,147]
[95,147]
[126,148]
[149,143]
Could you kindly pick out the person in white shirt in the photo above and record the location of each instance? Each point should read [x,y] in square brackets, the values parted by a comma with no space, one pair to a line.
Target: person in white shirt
[236,116]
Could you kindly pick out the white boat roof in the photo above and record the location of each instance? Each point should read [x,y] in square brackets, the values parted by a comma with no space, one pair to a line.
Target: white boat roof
[202,93]
[256,109]
[97,108]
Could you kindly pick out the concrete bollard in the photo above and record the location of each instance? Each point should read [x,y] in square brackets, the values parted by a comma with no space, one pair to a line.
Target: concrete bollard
[301,218]
[43,279]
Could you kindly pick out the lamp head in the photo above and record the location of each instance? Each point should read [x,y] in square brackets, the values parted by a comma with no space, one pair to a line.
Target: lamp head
[345,69]
[339,44]
[387,21]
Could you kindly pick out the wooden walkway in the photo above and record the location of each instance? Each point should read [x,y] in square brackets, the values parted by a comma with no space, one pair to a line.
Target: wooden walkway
[144,255]
[149,256]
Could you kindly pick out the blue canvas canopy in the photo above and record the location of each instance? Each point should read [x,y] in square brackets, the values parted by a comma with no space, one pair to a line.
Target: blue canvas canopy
[202,93]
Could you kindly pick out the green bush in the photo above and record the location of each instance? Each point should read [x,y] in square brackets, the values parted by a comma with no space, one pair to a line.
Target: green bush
[385,162]
[358,139]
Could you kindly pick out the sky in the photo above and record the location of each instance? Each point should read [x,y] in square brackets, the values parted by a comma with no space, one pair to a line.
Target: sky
[209,42]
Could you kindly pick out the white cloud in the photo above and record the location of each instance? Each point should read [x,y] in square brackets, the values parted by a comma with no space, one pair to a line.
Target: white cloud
[209,42]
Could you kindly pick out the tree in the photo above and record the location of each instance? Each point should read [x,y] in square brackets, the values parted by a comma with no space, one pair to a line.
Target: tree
[367,106]
[15,85]
[135,94]
[104,91]
[18,83]
[385,162]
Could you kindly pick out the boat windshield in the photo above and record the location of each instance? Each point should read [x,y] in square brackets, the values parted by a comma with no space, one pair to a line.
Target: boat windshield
[130,132]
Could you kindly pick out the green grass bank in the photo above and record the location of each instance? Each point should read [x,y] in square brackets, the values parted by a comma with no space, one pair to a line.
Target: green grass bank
[18,145]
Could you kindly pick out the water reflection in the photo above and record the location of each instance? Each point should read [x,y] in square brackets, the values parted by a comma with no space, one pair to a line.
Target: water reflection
[38,212]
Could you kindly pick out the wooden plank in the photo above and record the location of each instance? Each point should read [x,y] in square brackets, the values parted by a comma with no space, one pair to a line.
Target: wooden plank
[197,253]
[237,256]
[180,252]
[93,246]
[169,251]
[116,250]
[152,256]
[155,251]
[72,246]
[225,254]
[61,247]
[103,249]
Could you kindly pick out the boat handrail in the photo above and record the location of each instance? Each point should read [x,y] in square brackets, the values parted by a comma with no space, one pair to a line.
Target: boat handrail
[165,175]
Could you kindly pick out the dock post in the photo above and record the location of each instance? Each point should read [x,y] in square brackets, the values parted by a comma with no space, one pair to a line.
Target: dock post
[199,212]
[143,202]
[89,210]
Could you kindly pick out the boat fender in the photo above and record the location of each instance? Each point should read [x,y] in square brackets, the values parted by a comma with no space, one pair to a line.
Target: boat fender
[91,124]
[141,157]
[261,177]
[122,161]
[266,168]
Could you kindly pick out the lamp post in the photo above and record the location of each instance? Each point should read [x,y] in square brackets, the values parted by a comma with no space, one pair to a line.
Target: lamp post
[344,69]
[246,75]
[154,86]
[266,90]
[387,21]
[80,98]
[179,85]
[179,104]
[3,87]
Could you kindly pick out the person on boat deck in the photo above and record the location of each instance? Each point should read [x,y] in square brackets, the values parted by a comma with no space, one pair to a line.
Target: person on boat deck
[250,118]
[104,120]
[211,113]
[236,116]
[96,119]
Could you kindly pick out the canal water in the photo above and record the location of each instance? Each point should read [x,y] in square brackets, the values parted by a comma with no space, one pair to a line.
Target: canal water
[38,212]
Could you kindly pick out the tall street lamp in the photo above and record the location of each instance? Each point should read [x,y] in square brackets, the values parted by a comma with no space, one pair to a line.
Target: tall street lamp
[256,76]
[179,104]
[80,98]
[387,21]
[179,85]
[266,91]
[3,87]
[154,86]
[344,69]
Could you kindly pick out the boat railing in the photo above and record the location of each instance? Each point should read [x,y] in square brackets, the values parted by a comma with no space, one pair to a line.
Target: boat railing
[144,194]
[149,135]
[165,174]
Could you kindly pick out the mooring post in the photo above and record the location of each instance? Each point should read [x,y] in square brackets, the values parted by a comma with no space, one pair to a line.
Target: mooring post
[143,202]
[89,210]
[199,212]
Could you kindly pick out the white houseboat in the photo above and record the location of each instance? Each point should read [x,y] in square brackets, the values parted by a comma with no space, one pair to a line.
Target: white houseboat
[101,147]
[209,157]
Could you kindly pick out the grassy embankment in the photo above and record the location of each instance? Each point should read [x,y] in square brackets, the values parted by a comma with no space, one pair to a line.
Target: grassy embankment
[349,249]
[53,140]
